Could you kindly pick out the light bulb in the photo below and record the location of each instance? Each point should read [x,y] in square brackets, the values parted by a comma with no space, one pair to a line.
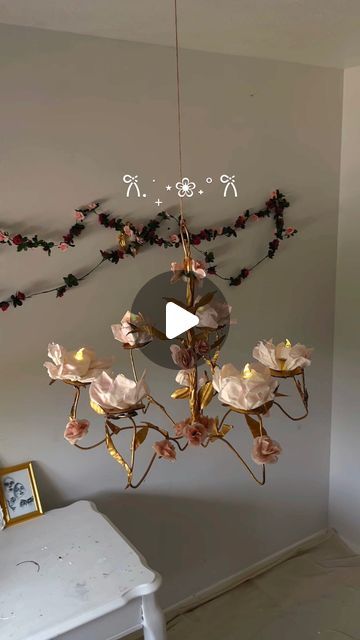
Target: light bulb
[247,373]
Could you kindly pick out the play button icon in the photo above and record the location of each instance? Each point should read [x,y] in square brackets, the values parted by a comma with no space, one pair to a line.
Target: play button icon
[178,320]
[163,304]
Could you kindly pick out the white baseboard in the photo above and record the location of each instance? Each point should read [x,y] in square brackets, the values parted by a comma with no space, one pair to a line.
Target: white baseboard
[221,587]
[233,581]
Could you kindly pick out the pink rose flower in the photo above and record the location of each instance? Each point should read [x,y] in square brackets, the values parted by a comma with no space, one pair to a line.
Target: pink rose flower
[208,423]
[4,237]
[265,450]
[220,230]
[181,426]
[129,232]
[91,206]
[184,358]
[195,433]
[79,216]
[174,238]
[201,347]
[75,430]
[63,246]
[165,449]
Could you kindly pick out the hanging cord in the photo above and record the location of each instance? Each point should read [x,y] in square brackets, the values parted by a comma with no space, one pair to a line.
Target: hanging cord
[178,100]
[184,234]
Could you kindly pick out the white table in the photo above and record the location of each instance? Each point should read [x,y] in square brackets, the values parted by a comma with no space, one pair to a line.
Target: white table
[71,575]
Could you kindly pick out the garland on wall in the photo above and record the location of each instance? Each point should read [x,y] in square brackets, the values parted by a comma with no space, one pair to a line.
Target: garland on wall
[132,237]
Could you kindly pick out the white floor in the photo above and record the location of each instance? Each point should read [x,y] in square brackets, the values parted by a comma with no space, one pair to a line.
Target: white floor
[315,595]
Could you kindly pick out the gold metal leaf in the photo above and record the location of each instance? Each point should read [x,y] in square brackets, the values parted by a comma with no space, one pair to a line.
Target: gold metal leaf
[204,300]
[225,429]
[180,394]
[122,240]
[114,428]
[206,394]
[254,426]
[96,407]
[140,437]
[115,454]
[157,334]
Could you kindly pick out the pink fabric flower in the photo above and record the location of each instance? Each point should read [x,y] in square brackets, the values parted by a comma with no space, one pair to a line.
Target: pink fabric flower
[185,427]
[213,315]
[201,347]
[180,427]
[78,366]
[132,330]
[165,449]
[265,450]
[79,216]
[75,430]
[208,423]
[197,269]
[174,238]
[195,433]
[63,246]
[128,231]
[184,358]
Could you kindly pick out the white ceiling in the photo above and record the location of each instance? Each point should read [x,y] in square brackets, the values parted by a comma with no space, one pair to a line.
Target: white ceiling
[321,32]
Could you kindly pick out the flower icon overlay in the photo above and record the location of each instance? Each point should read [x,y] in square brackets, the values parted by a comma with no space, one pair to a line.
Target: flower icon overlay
[185,188]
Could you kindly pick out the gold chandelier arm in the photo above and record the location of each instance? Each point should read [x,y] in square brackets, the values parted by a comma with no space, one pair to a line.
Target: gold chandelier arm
[143,477]
[160,406]
[223,419]
[297,419]
[302,391]
[73,410]
[133,365]
[263,477]
[92,446]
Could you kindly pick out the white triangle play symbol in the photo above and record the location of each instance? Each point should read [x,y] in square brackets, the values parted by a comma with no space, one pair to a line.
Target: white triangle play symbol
[178,320]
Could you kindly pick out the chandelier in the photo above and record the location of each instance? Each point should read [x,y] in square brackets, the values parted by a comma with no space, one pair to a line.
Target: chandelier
[251,391]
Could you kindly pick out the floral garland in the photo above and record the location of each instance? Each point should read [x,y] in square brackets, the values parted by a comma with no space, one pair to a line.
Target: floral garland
[133,237]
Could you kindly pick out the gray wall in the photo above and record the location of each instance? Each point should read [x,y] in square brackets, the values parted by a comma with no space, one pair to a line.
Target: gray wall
[75,114]
[345,469]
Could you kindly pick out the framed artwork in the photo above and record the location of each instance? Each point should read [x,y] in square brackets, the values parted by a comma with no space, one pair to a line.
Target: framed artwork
[19,496]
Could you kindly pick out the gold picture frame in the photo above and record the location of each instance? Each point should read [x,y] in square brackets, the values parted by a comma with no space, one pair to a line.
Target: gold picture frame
[19,495]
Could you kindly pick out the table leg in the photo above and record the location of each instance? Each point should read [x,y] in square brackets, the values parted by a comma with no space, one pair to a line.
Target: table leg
[153,619]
